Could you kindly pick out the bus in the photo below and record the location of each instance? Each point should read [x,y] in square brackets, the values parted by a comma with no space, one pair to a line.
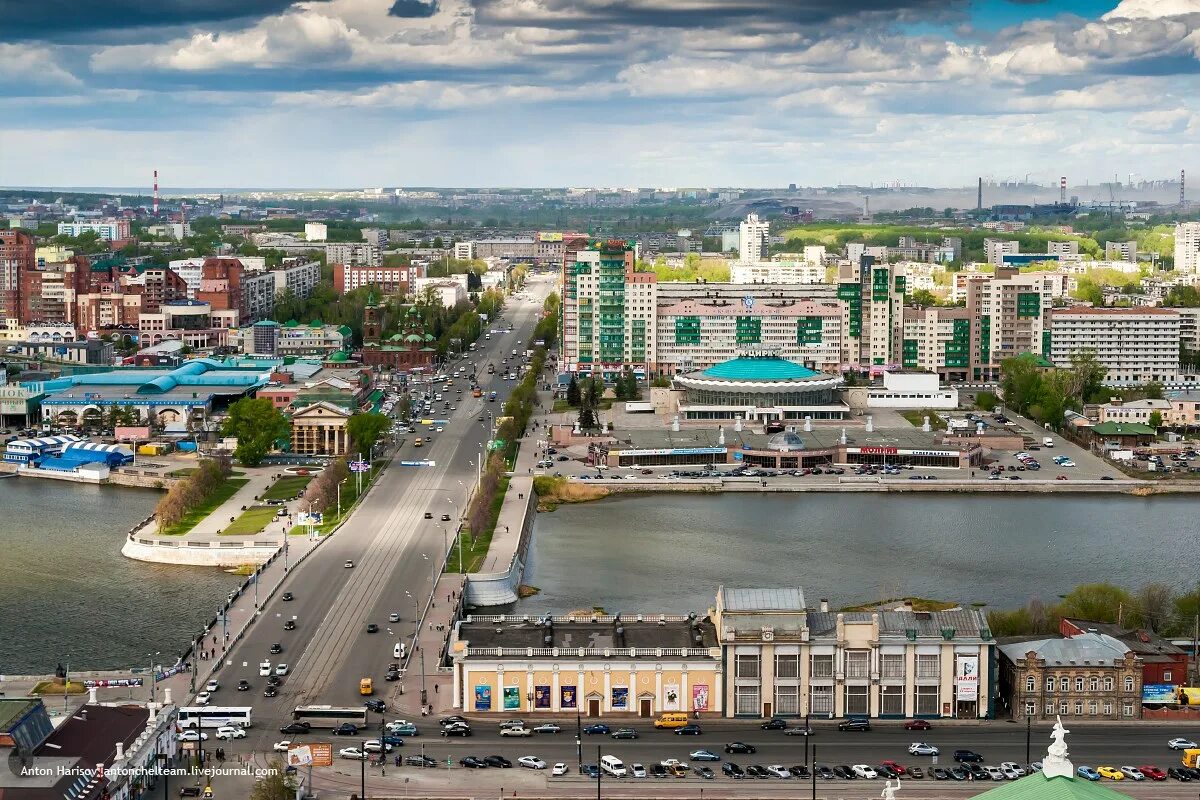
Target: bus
[214,716]
[329,716]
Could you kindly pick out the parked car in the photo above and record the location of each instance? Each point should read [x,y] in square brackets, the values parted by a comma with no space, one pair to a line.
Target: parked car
[1133,773]
[559,770]
[471,762]
[1112,773]
[732,770]
[421,761]
[864,771]
[854,725]
[774,724]
[917,725]
[1152,772]
[531,762]
[352,753]
[497,761]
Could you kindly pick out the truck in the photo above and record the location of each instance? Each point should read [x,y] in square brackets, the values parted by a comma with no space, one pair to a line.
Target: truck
[1047,441]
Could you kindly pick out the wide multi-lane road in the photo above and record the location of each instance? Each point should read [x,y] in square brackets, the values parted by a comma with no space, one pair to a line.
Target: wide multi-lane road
[396,553]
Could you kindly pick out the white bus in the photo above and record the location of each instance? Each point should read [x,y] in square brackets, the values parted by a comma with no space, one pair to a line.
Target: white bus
[330,716]
[214,716]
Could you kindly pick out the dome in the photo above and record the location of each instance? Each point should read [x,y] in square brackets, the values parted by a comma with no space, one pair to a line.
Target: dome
[751,368]
[786,442]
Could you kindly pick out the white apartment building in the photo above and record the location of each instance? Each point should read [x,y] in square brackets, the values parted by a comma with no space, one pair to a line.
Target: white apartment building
[697,334]
[814,253]
[1189,327]
[316,231]
[754,239]
[464,251]
[171,230]
[776,271]
[873,312]
[996,249]
[390,280]
[1187,247]
[1009,316]
[1138,411]
[1135,345]
[106,229]
[448,291]
[359,254]
[938,340]
[608,311]
[1120,251]
[298,276]
[1067,248]
[376,237]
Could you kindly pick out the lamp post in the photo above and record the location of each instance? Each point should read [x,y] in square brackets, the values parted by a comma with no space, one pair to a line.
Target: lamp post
[339,498]
[153,676]
[1028,734]
[579,739]
[362,766]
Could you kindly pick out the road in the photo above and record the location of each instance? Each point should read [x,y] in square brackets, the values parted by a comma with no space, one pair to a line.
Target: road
[397,555]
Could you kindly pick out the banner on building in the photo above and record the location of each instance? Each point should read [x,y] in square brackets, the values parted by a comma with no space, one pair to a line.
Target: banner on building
[541,697]
[566,697]
[700,697]
[483,698]
[512,698]
[1159,693]
[966,678]
[670,697]
[620,698]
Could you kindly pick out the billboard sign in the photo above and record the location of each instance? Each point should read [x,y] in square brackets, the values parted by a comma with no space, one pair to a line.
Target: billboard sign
[1158,693]
[359,466]
[966,678]
[322,754]
[299,756]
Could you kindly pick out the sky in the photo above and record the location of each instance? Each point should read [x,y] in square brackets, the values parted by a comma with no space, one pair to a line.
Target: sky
[485,93]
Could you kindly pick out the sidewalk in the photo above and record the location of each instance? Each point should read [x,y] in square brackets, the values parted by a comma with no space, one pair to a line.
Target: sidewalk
[507,535]
[260,479]
[405,695]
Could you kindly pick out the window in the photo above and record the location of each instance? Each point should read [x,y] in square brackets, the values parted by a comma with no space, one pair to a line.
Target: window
[1108,684]
[928,666]
[747,666]
[821,699]
[787,666]
[1127,709]
[1166,676]
[858,663]
[746,700]
[1108,709]
[892,665]
[1030,684]
[787,700]
[1093,684]
[858,700]
[1063,707]
[1064,684]
[891,700]
[1129,683]
[928,700]
[1030,708]
[1092,707]
[822,667]
[1079,684]
[1050,684]
[1049,709]
[1078,708]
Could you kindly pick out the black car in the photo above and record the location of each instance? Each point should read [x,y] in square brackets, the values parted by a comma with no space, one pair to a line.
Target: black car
[1192,772]
[939,773]
[732,770]
[274,680]
[854,725]
[392,675]
[884,771]
[658,771]
[243,686]
[290,625]
[967,757]
[978,772]
[372,627]
[189,791]
[624,733]
[270,691]
[798,731]
[958,773]
[421,761]
[428,515]
[740,747]
[704,772]
[774,724]
[800,771]
[456,730]
[444,721]
[599,727]
[346,729]
[288,596]
[473,762]
[1179,774]
[824,772]
[377,706]
[757,771]
[591,770]
[296,727]
[843,772]
[497,761]
[688,730]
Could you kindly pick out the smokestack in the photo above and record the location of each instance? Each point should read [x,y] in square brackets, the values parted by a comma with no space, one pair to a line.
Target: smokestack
[1062,190]
[979,201]
[156,193]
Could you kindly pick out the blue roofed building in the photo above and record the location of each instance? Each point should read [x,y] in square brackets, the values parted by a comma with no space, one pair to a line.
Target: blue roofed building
[759,389]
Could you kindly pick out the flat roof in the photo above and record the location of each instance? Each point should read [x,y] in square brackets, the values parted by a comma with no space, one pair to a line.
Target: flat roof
[782,599]
[648,634]
[821,437]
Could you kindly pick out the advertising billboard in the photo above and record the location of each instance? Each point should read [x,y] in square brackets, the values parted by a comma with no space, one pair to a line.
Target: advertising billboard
[700,697]
[670,697]
[1159,693]
[483,698]
[512,698]
[966,678]
[322,754]
[541,697]
[299,756]
[620,698]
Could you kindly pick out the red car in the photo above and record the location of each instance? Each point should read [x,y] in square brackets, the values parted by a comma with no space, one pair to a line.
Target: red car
[1153,773]
[898,767]
[917,725]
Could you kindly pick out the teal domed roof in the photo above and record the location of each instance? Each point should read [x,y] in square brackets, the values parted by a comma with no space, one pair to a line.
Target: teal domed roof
[751,368]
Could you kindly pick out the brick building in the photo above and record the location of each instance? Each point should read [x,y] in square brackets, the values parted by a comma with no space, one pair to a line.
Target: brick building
[1088,676]
[1162,662]
[17,255]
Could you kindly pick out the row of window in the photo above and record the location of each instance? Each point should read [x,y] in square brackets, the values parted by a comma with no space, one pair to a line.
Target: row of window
[1093,708]
[856,700]
[855,664]
[1093,683]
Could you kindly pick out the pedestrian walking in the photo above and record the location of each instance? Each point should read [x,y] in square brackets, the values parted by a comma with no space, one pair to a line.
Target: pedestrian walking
[435,688]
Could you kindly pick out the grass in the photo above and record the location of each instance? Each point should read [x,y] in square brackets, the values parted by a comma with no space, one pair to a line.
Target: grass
[193,517]
[350,498]
[918,603]
[54,687]
[561,405]
[251,521]
[188,471]
[918,418]
[475,548]
[287,487]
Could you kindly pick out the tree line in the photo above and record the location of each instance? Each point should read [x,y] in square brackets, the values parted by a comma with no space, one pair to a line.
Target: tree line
[1157,607]
[190,492]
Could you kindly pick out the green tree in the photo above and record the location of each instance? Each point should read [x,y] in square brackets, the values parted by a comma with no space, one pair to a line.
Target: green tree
[573,395]
[257,424]
[1153,391]
[986,401]
[661,382]
[1103,602]
[276,784]
[1155,606]
[1182,297]
[922,297]
[365,429]
[1155,420]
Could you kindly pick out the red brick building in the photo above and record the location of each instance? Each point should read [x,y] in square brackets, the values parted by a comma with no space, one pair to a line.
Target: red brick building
[17,256]
[221,284]
[1162,662]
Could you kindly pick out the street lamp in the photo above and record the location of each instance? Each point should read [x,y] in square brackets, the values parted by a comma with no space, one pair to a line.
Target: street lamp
[153,675]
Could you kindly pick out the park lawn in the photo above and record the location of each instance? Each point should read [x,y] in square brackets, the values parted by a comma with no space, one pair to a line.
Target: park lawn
[475,548]
[251,521]
[918,418]
[287,487]
[350,498]
[187,472]
[193,517]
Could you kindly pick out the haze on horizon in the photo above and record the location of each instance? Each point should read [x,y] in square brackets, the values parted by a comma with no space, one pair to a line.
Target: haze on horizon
[596,92]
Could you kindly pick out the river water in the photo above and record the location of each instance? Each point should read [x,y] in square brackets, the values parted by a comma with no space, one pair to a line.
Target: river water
[68,595]
[670,552]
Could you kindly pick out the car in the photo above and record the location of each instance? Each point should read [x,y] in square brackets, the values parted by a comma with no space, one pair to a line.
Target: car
[590,770]
[471,762]
[282,747]
[346,729]
[202,699]
[445,517]
[1088,772]
[190,791]
[1178,773]
[281,669]
[512,723]
[774,724]
[393,739]
[393,617]
[688,730]
[1152,772]
[917,725]
[1181,744]
[922,749]
[703,755]
[886,772]
[854,725]
[531,762]
[732,770]
[596,728]
[895,767]
[453,720]
[778,771]
[428,515]
[798,731]
[558,769]
[967,757]
[421,761]
[959,774]
[296,727]
[864,771]
[1012,767]
[1133,773]
[1112,773]
[349,564]
[637,770]
[1106,477]
[392,675]
[192,736]
[497,761]
[740,747]
[271,691]
[800,771]
[290,625]
[402,728]
[704,772]
[276,648]
[273,680]
[624,733]
[1193,773]
[916,772]
[991,773]
[548,727]
[519,731]
[243,686]
[230,732]
[456,730]
[757,771]
[844,772]
[264,669]
[212,686]
[939,773]
[376,746]
[372,627]
[658,771]
[378,706]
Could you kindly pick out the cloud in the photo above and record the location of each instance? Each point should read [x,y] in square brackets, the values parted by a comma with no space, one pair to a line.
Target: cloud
[31,67]
[1175,120]
[413,8]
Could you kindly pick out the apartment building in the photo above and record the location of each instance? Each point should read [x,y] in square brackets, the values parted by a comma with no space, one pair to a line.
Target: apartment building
[938,340]
[754,239]
[359,254]
[696,334]
[518,247]
[17,256]
[464,251]
[1089,676]
[376,237]
[996,249]
[1137,411]
[873,315]
[389,280]
[107,229]
[777,271]
[158,285]
[608,310]
[1008,313]
[1135,345]
[316,231]
[1185,410]
[192,322]
[1187,247]
[1069,247]
[296,275]
[1120,251]
[49,291]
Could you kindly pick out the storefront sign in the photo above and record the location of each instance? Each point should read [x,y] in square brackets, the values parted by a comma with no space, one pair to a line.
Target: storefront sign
[566,697]
[512,698]
[483,698]
[676,451]
[670,697]
[700,697]
[541,697]
[966,678]
[620,698]
[878,451]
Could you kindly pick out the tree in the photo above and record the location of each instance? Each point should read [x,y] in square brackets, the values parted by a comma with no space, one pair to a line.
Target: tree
[922,297]
[276,784]
[1182,297]
[1103,602]
[365,429]
[986,401]
[257,424]
[1155,420]
[1155,603]
[573,395]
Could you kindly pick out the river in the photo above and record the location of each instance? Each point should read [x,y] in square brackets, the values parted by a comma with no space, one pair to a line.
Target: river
[670,552]
[68,595]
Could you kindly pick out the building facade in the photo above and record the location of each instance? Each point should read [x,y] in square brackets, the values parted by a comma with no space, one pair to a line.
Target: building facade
[609,310]
[389,280]
[358,254]
[320,429]
[1089,676]
[1187,247]
[873,315]
[1135,345]
[17,254]
[1009,314]
[754,239]
[938,340]
[107,229]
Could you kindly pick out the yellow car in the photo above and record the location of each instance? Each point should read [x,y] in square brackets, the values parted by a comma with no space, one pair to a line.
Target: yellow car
[1112,773]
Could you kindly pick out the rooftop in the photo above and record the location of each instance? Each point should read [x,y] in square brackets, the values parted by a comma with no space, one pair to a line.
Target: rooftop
[782,599]
[516,632]
[757,368]
[1135,311]
[1038,787]
[1123,429]
[1094,648]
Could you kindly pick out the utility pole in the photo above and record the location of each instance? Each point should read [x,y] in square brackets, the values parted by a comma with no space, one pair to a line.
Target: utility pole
[599,772]
[578,737]
[362,766]
[814,772]
[1028,734]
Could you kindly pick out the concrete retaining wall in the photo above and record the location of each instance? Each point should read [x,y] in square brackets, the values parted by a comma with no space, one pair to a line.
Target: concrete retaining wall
[233,553]
[500,588]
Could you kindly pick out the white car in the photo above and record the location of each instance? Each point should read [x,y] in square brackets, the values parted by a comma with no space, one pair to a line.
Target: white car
[283,746]
[548,727]
[376,746]
[531,762]
[779,771]
[264,669]
[994,773]
[439,429]
[352,752]
[559,769]
[1133,773]
[281,669]
[192,736]
[230,732]
[1014,767]
[1181,744]
[637,770]
[202,699]
[864,771]
[212,686]
[922,749]
[515,732]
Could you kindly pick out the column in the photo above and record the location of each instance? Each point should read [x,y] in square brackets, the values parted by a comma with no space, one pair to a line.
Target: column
[606,701]
[766,681]
[458,702]
[633,704]
[805,680]
[529,687]
[685,689]
[580,694]
[910,680]
[981,701]
[556,697]
[717,694]
[658,690]
[498,694]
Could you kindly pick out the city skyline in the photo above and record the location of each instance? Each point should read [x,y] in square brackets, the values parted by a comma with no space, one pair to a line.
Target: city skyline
[596,92]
